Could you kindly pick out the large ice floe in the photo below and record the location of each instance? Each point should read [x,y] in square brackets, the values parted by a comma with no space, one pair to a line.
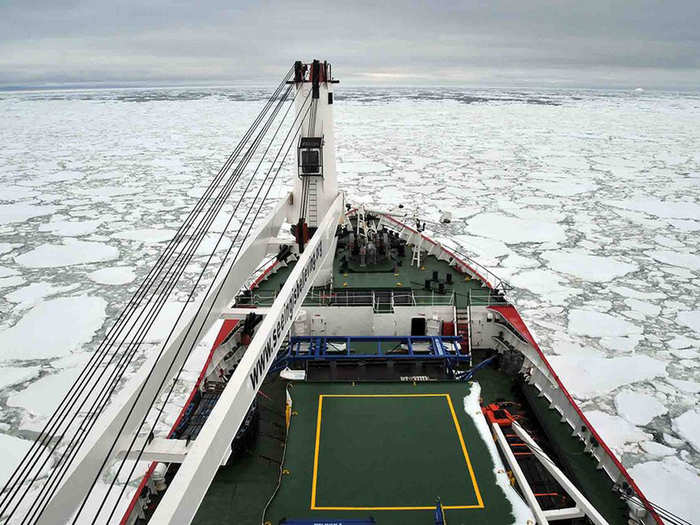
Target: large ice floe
[53,328]
[586,376]
[587,201]
[671,481]
[598,324]
[514,230]
[591,268]
[70,252]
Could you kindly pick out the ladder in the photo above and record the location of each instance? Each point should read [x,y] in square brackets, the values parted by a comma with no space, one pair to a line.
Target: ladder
[463,330]
[361,226]
[416,252]
[312,201]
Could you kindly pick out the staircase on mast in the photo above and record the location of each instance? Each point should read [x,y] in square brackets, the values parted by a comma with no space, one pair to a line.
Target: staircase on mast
[312,201]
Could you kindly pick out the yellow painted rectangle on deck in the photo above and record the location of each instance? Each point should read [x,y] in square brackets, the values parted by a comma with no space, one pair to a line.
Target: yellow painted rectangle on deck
[479,505]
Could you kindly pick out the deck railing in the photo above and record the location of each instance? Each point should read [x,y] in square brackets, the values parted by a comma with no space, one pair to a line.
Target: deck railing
[497,283]
[484,298]
[380,300]
[434,299]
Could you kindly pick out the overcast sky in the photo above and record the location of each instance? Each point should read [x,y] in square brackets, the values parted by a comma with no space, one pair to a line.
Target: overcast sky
[647,43]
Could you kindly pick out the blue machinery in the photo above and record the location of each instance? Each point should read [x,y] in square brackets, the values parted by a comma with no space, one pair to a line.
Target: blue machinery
[324,348]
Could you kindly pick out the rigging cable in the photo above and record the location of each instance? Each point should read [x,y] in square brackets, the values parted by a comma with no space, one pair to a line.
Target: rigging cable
[157,307]
[52,427]
[58,417]
[135,344]
[201,327]
[666,514]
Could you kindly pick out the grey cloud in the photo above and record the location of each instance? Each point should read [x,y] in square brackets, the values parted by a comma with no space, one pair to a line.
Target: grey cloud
[584,42]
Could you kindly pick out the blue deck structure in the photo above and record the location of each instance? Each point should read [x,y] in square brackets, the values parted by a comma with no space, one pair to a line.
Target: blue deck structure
[367,348]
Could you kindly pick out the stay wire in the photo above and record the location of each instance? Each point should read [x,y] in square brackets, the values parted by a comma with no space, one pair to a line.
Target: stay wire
[98,357]
[134,345]
[51,428]
[243,194]
[242,166]
[201,327]
[665,513]
[47,433]
[194,241]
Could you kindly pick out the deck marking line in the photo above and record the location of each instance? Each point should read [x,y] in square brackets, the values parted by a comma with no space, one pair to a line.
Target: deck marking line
[318,437]
[432,507]
[480,504]
[464,451]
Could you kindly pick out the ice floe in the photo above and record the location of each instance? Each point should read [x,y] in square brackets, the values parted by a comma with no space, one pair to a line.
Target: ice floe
[16,193]
[35,292]
[53,328]
[689,387]
[9,282]
[545,284]
[670,483]
[638,408]
[588,267]
[12,375]
[70,252]
[70,228]
[684,259]
[13,450]
[618,434]
[42,397]
[643,307]
[599,324]
[661,208]
[690,318]
[20,212]
[657,450]
[564,189]
[6,272]
[115,275]
[588,376]
[682,341]
[636,294]
[146,235]
[7,247]
[512,230]
[687,426]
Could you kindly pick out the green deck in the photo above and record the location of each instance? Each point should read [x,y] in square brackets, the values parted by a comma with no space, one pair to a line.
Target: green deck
[406,277]
[240,492]
[387,450]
